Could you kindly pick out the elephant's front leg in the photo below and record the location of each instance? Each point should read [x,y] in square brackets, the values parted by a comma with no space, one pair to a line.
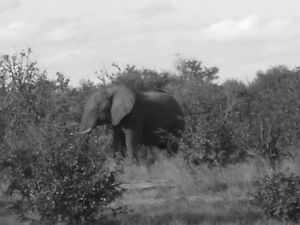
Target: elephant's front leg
[119,144]
[132,139]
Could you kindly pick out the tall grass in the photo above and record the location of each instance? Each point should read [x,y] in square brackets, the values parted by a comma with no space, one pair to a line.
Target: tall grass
[199,195]
[182,195]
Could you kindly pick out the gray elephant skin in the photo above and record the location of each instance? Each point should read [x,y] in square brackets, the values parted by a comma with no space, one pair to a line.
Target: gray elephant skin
[136,118]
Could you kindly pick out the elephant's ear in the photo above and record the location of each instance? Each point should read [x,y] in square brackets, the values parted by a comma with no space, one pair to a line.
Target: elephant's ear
[122,104]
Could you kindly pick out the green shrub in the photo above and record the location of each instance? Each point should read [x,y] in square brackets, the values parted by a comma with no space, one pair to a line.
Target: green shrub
[279,196]
[210,143]
[142,79]
[67,182]
[210,136]
[56,175]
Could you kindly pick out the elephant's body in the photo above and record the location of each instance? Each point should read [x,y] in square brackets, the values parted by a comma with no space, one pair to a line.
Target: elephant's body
[152,105]
[150,117]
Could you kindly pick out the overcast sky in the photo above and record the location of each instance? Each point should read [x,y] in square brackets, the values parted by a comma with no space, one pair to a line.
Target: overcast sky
[79,37]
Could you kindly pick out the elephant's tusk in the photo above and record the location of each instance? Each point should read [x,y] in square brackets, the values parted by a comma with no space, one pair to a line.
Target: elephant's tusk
[85,131]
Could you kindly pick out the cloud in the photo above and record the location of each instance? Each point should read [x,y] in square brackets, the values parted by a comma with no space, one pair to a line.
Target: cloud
[251,28]
[65,55]
[16,31]
[58,35]
[154,9]
[6,5]
[62,31]
[43,34]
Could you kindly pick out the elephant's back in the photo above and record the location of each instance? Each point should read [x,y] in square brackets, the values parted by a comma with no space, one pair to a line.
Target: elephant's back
[163,110]
[163,100]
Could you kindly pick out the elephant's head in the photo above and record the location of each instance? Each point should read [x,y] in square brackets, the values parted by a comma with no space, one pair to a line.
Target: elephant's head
[107,105]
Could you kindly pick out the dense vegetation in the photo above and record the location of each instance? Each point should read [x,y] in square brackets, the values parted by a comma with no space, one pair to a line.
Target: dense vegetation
[63,176]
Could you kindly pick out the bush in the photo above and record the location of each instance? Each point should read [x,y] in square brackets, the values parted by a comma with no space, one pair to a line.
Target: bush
[142,79]
[67,182]
[210,143]
[51,172]
[210,136]
[279,196]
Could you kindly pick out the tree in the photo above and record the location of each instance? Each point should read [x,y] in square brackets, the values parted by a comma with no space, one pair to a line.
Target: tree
[142,79]
[57,174]
[209,137]
[275,111]
[192,69]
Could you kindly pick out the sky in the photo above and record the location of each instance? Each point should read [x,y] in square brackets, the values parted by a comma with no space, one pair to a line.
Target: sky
[80,37]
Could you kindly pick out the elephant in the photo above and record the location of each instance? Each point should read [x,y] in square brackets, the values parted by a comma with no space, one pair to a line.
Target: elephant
[137,118]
